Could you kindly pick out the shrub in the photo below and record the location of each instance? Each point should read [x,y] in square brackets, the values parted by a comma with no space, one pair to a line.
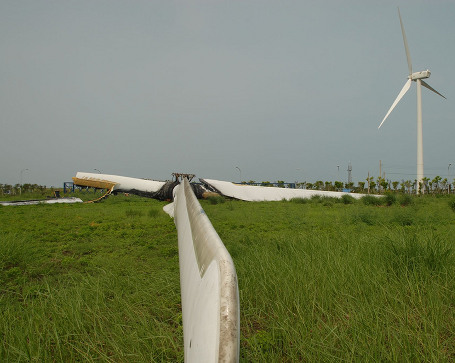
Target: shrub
[261,341]
[327,202]
[365,216]
[403,218]
[133,213]
[14,253]
[347,199]
[216,199]
[405,200]
[416,252]
[153,213]
[299,200]
[389,199]
[371,200]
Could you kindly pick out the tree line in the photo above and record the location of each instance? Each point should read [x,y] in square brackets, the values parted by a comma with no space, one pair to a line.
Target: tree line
[371,185]
[8,189]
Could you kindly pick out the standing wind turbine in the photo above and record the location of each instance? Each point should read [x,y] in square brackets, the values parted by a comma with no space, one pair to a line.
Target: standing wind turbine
[417,77]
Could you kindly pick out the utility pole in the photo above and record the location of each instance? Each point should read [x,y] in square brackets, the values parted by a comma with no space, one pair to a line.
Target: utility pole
[368,182]
[240,172]
[349,173]
[448,179]
[20,186]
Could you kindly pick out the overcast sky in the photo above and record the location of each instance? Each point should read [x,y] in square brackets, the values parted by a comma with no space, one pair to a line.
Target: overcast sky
[283,90]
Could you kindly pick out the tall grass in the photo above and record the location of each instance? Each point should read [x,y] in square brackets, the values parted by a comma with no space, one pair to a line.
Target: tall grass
[353,282]
[452,204]
[93,282]
[320,280]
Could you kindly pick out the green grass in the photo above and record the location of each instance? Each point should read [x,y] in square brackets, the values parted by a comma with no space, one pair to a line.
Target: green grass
[352,282]
[95,282]
[452,204]
[319,280]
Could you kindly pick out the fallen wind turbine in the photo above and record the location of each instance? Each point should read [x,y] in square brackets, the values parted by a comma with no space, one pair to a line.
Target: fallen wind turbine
[417,77]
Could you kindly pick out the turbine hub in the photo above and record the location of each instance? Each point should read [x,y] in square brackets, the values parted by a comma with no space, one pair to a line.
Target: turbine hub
[420,75]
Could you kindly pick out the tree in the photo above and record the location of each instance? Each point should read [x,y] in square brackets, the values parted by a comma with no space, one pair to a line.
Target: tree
[338,186]
[26,187]
[384,184]
[7,188]
[435,183]
[395,185]
[424,185]
[328,186]
[371,183]
[318,185]
[372,186]
[444,185]
[361,187]
[408,185]
[301,185]
[349,186]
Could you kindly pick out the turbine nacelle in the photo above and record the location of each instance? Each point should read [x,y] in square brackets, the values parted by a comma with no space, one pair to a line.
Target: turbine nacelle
[420,75]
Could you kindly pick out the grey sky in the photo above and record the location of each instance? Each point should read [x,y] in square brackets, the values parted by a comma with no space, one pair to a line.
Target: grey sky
[284,90]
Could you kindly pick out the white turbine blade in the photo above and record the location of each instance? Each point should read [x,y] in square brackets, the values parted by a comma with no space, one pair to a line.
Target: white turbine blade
[400,96]
[425,84]
[405,41]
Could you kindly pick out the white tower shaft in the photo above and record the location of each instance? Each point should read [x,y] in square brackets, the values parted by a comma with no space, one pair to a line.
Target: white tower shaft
[419,138]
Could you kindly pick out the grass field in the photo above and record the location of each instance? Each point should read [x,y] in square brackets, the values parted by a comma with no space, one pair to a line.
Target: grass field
[319,280]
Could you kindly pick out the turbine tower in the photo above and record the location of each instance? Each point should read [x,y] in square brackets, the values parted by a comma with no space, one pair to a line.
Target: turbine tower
[417,77]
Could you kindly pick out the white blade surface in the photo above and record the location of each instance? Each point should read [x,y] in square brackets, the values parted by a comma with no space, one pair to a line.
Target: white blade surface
[208,285]
[124,182]
[43,201]
[400,96]
[426,85]
[253,193]
[405,41]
